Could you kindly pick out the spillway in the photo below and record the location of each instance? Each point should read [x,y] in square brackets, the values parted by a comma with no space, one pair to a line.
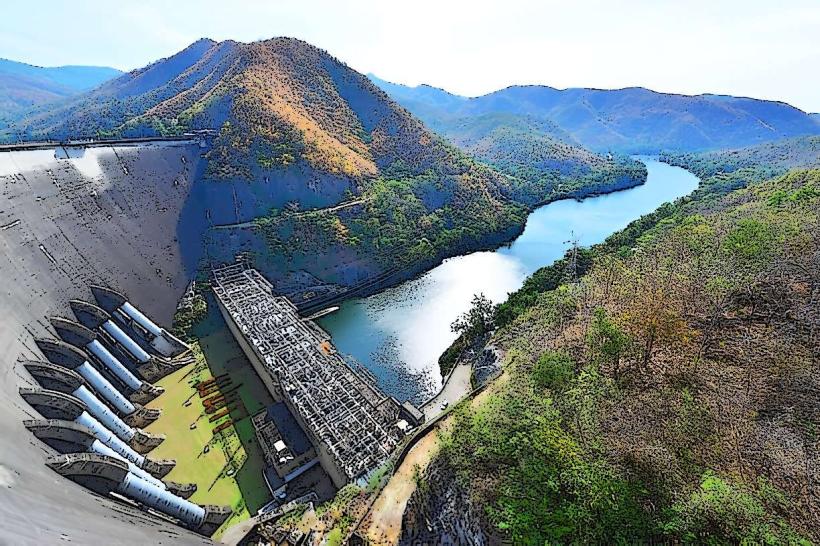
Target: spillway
[68,227]
[130,345]
[134,314]
[101,412]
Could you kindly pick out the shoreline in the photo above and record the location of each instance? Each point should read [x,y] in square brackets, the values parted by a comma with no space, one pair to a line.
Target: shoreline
[502,242]
[489,242]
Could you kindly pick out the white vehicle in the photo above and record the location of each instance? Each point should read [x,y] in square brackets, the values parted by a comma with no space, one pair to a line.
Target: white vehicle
[444,405]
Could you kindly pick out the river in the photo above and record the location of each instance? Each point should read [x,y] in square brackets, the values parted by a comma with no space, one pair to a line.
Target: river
[399,333]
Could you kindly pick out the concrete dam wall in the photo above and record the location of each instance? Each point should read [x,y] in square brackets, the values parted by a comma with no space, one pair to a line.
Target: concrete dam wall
[70,218]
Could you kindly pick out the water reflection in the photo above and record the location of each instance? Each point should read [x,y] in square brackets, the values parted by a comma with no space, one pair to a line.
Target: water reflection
[400,333]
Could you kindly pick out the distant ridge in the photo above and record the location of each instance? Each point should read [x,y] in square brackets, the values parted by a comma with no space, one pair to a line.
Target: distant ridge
[519,144]
[629,120]
[24,86]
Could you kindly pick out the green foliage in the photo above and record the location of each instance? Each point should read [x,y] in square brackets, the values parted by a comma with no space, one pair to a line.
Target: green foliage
[188,314]
[553,370]
[763,161]
[334,537]
[376,478]
[782,197]
[477,320]
[606,341]
[543,161]
[719,512]
[721,177]
[278,153]
[570,453]
[405,221]
[471,326]
[449,358]
[750,242]
[338,505]
[543,280]
[545,487]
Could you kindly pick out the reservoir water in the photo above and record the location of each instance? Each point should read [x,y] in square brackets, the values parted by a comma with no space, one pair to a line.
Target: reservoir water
[398,334]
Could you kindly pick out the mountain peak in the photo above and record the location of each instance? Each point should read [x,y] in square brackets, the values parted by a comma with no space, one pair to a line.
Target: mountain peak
[277,103]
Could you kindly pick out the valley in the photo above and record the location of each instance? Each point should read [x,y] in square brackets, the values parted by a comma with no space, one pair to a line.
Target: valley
[371,313]
[619,355]
[400,333]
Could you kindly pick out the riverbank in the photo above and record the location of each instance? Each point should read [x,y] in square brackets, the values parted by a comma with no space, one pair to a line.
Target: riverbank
[389,278]
[669,427]
[400,332]
[312,295]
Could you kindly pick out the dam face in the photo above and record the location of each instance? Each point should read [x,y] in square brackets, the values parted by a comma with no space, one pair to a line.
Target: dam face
[72,218]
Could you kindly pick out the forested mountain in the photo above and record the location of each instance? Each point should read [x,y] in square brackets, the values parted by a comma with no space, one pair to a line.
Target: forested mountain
[670,392]
[23,86]
[631,120]
[275,103]
[297,129]
[770,159]
[533,149]
[520,144]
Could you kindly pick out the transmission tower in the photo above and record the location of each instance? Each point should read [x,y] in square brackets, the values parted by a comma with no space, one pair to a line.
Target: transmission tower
[571,271]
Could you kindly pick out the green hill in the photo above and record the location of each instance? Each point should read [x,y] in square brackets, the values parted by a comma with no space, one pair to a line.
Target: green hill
[540,153]
[525,145]
[669,395]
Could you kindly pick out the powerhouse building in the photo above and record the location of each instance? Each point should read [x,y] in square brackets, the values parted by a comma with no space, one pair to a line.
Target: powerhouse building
[351,424]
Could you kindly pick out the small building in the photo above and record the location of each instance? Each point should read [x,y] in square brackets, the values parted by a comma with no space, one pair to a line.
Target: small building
[287,450]
[411,414]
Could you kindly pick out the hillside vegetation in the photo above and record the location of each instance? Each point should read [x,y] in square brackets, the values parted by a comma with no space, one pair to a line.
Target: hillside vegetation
[631,120]
[540,154]
[274,103]
[529,148]
[290,115]
[298,132]
[670,393]
[765,159]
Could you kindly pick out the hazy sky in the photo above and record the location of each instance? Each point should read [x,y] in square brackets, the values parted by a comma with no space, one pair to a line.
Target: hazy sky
[766,49]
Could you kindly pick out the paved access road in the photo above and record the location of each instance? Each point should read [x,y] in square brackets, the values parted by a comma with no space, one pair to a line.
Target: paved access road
[456,387]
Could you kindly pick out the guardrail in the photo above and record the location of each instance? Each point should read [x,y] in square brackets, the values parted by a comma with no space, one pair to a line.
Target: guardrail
[88,143]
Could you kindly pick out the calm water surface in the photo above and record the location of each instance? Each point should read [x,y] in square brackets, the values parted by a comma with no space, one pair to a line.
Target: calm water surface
[399,333]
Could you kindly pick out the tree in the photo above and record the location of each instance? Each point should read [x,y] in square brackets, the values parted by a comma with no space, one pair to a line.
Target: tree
[606,341]
[553,370]
[476,321]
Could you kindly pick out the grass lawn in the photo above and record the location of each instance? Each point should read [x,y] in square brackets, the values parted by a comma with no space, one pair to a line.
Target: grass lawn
[233,451]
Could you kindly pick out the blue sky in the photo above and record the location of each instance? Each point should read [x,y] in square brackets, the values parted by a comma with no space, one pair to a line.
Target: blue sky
[763,49]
